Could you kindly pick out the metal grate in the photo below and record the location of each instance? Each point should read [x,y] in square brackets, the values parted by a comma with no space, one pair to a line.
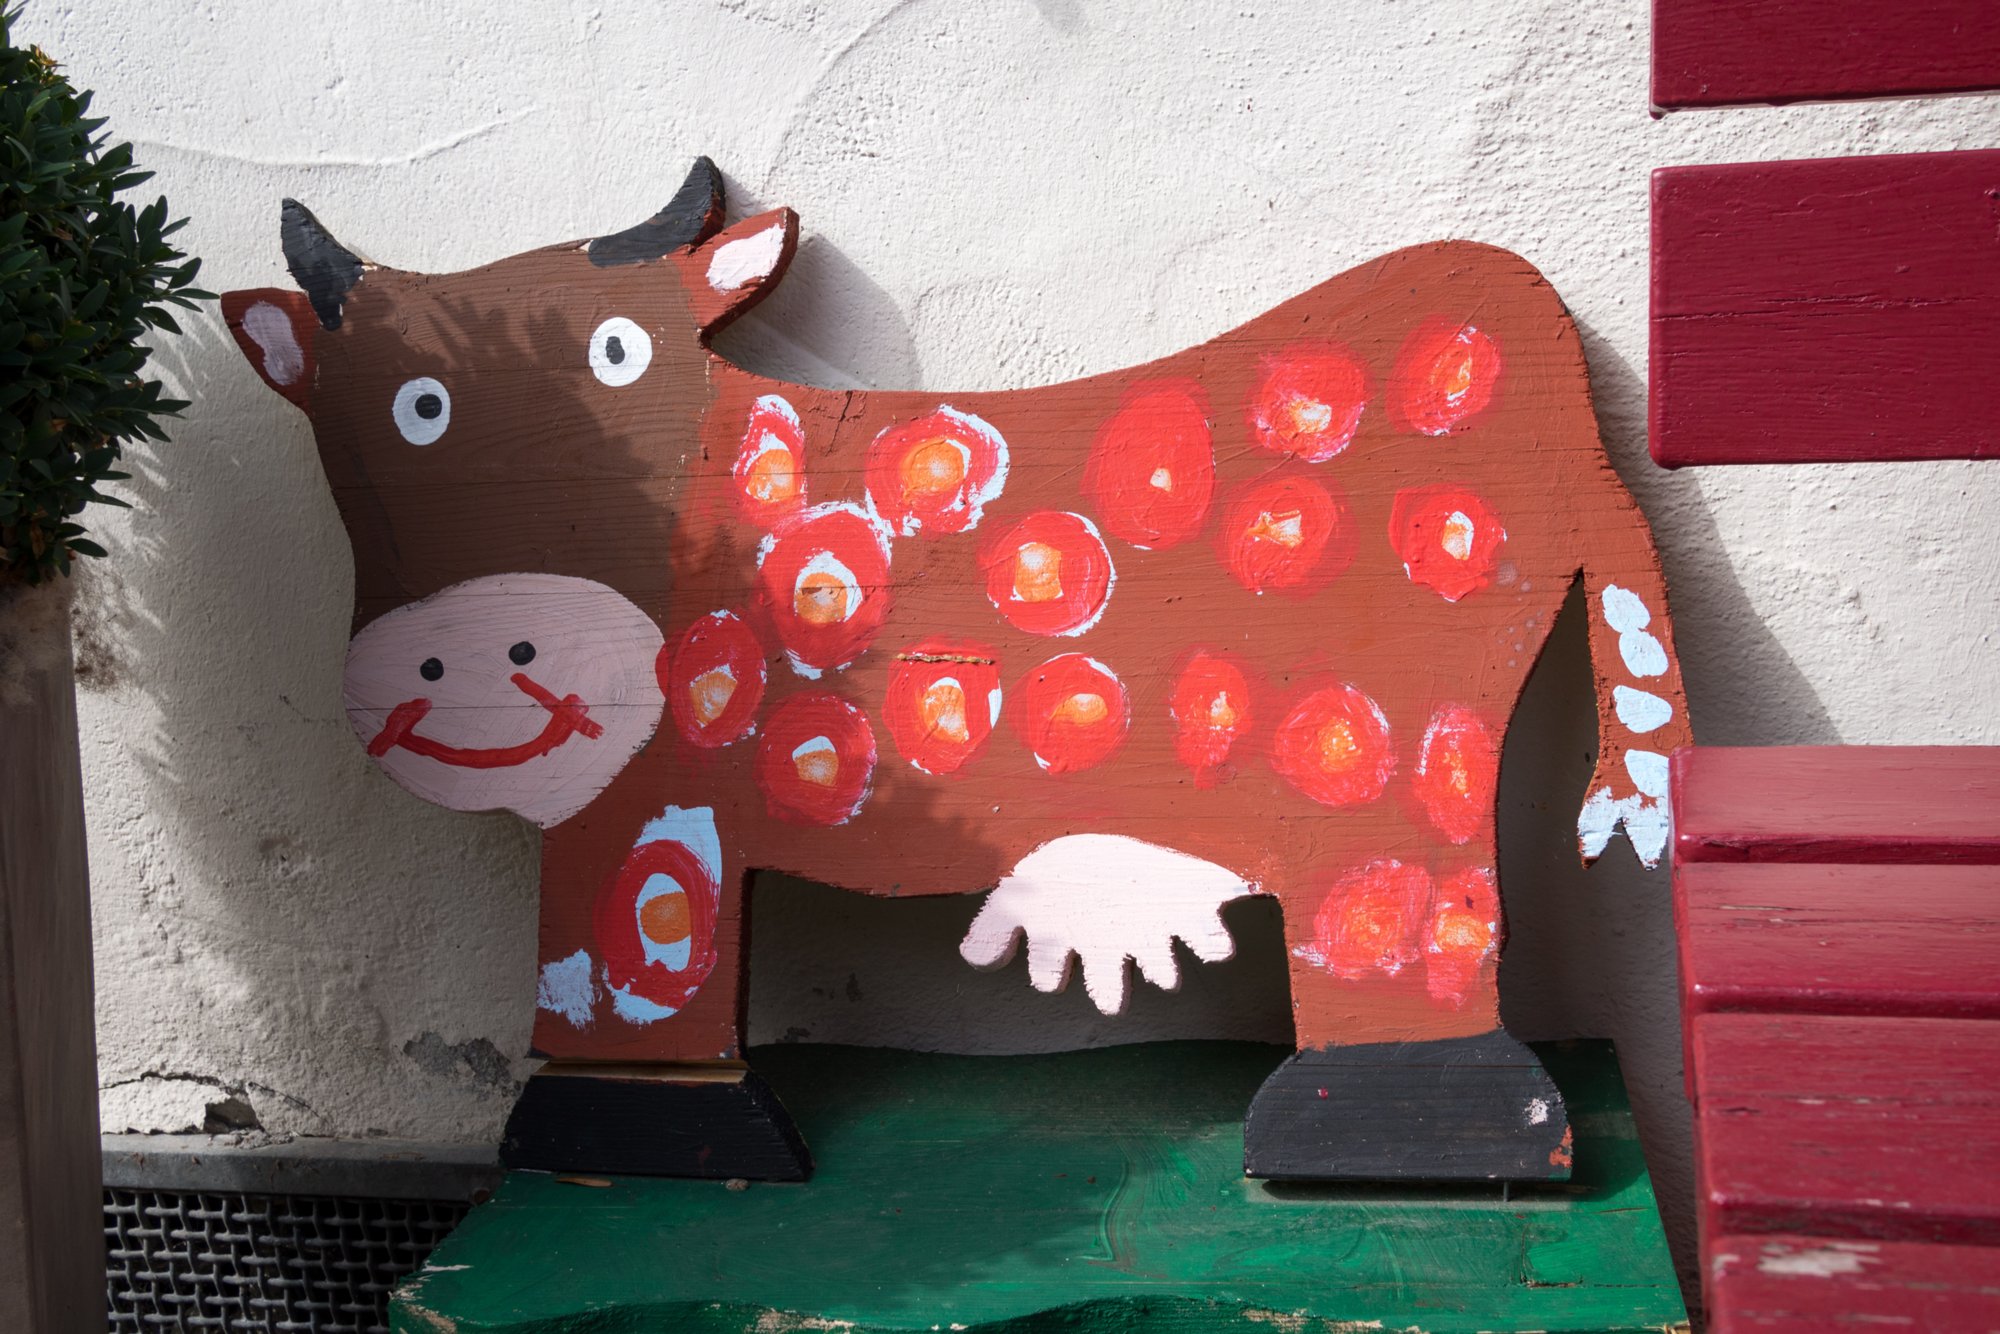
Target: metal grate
[237,1261]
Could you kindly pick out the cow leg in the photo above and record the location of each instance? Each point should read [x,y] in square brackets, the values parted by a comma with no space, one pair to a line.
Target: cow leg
[1403,1071]
[639,1008]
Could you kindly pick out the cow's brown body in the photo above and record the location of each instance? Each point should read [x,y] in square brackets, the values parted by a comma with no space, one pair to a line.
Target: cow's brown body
[544,470]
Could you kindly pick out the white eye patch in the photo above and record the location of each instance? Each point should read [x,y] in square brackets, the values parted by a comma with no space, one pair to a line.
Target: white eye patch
[620,351]
[422,410]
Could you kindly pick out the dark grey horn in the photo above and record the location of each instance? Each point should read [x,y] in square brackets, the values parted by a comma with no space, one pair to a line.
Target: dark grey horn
[692,216]
[324,268]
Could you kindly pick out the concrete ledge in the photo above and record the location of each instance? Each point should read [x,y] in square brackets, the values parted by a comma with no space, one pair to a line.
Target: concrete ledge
[368,1168]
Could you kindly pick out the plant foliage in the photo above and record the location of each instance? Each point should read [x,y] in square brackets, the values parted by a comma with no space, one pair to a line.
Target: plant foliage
[83,278]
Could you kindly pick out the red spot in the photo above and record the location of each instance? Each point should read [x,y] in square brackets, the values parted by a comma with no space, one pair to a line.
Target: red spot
[1151,472]
[1458,768]
[1308,401]
[618,923]
[770,469]
[1448,537]
[1444,374]
[1211,707]
[713,678]
[1561,1154]
[1334,747]
[1291,533]
[941,703]
[816,759]
[1322,1093]
[935,474]
[1072,711]
[1048,573]
[1369,920]
[1462,933]
[823,578]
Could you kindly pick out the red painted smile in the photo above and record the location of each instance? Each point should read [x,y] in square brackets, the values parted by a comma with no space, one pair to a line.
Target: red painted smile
[568,717]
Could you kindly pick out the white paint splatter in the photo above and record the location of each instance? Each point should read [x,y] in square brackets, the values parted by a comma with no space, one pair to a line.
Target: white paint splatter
[1642,653]
[692,827]
[566,988]
[1639,710]
[750,259]
[1538,1111]
[1104,899]
[1819,1262]
[271,330]
[1624,610]
[1646,820]
[1648,770]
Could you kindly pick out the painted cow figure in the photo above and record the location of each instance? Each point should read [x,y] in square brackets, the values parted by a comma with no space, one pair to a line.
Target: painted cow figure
[1249,619]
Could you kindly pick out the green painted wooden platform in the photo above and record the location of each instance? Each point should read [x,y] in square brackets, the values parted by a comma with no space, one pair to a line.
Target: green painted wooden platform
[1080,1191]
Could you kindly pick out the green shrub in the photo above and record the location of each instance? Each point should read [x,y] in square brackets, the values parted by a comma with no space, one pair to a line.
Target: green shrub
[83,278]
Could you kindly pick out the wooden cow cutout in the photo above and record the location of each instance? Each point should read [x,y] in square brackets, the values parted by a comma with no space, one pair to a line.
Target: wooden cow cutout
[1249,619]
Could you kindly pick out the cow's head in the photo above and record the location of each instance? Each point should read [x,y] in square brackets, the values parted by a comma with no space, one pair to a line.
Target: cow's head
[529,419]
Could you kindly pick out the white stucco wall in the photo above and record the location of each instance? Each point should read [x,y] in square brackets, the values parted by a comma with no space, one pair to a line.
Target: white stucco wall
[993,195]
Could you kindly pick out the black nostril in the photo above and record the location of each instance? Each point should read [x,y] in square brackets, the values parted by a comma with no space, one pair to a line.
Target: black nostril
[431,670]
[522,653]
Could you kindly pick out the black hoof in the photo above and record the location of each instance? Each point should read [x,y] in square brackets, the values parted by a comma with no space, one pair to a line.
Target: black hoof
[1454,1109]
[665,1123]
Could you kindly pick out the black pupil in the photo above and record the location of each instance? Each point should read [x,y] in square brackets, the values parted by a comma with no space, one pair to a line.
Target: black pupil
[428,407]
[522,653]
[431,670]
[614,350]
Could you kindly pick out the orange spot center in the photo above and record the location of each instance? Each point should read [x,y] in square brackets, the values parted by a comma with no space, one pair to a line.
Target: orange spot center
[1339,749]
[664,918]
[818,765]
[1457,536]
[1456,776]
[709,694]
[1287,529]
[820,598]
[936,467]
[1082,710]
[1373,926]
[1037,573]
[1457,931]
[943,712]
[772,478]
[1221,713]
[1307,416]
[1454,371]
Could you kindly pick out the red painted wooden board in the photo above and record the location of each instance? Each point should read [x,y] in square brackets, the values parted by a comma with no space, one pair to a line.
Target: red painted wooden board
[1911,941]
[1831,310]
[1873,1129]
[1710,53]
[1903,804]
[1789,1284]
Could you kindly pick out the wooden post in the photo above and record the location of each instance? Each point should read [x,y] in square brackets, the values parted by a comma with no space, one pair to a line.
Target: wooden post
[51,1189]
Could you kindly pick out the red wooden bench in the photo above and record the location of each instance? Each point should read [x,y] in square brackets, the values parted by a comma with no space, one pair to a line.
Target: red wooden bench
[1838,911]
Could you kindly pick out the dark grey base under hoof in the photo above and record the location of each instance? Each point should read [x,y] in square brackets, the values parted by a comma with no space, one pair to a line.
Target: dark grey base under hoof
[577,1118]
[1453,1109]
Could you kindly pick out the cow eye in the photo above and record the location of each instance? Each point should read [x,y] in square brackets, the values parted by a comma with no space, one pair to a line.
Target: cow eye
[423,410]
[620,351]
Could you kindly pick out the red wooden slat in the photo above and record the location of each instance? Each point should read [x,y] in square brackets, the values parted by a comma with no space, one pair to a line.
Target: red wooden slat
[1842,309]
[1903,804]
[1884,1129]
[1709,53]
[1790,1284]
[1914,941]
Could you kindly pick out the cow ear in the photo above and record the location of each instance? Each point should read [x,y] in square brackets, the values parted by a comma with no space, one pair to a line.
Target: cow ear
[734,269]
[275,328]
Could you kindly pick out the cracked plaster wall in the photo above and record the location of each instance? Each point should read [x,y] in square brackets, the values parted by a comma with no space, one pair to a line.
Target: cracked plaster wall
[993,195]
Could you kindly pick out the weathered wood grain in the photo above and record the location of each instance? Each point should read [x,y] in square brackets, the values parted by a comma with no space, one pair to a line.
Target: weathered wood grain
[1084,1191]
[1825,310]
[1912,941]
[1907,805]
[1785,1283]
[1711,53]
[1869,1128]
[51,1199]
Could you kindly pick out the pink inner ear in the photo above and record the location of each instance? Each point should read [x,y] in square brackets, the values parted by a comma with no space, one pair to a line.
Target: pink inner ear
[275,328]
[727,274]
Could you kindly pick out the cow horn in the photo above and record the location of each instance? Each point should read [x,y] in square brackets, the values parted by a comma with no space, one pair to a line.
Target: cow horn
[322,266]
[690,217]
